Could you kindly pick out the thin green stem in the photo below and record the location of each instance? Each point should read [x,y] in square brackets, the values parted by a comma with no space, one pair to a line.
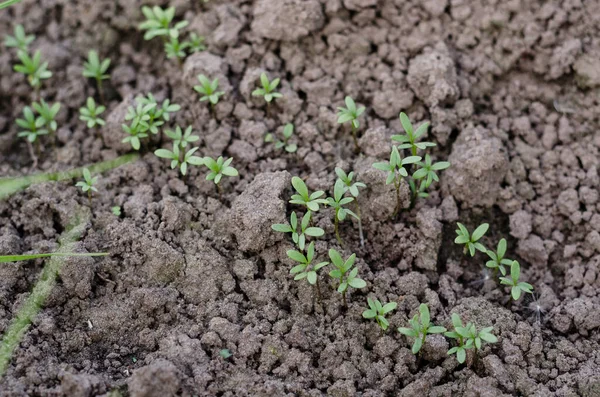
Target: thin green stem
[356,146]
[397,186]
[220,191]
[337,228]
[360,230]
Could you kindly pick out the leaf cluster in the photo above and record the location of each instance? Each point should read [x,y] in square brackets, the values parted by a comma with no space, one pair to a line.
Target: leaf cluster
[468,337]
[344,273]
[378,311]
[88,182]
[305,269]
[267,91]
[395,166]
[31,126]
[338,201]
[310,200]
[181,138]
[20,40]
[471,241]
[33,68]
[299,232]
[208,90]
[350,113]
[91,113]
[94,68]
[288,131]
[177,160]
[47,113]
[218,168]
[349,185]
[420,327]
[517,287]
[409,139]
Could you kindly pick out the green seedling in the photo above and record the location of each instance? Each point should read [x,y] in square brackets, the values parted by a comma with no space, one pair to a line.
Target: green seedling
[420,327]
[91,113]
[288,131]
[176,49]
[20,40]
[31,126]
[425,174]
[410,138]
[352,187]
[138,127]
[299,233]
[310,201]
[268,90]
[33,68]
[345,274]
[116,210]
[158,115]
[180,138]
[208,90]
[196,43]
[158,23]
[19,258]
[497,260]
[306,269]
[517,287]
[395,169]
[337,202]
[178,159]
[96,69]
[47,114]
[225,354]
[378,311]
[218,168]
[351,113]
[467,337]
[471,241]
[87,185]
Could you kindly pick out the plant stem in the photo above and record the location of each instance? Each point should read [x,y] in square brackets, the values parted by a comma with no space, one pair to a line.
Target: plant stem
[220,190]
[360,230]
[34,158]
[413,150]
[356,147]
[344,299]
[268,110]
[90,197]
[100,91]
[397,186]
[337,229]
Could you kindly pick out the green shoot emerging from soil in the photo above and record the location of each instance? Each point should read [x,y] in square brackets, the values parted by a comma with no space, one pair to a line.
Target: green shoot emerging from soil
[178,159]
[218,168]
[306,269]
[116,210]
[351,113]
[268,88]
[47,114]
[420,327]
[378,311]
[497,260]
[33,68]
[87,185]
[196,43]
[158,23]
[337,202]
[409,140]
[180,138]
[425,174]
[96,69]
[208,90]
[345,275]
[225,354]
[467,337]
[20,40]
[31,126]
[352,187]
[138,127]
[288,131]
[91,113]
[471,241]
[299,233]
[517,287]
[310,201]
[157,114]
[176,49]
[395,169]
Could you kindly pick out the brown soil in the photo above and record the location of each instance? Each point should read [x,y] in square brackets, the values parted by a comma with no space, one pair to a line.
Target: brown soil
[511,90]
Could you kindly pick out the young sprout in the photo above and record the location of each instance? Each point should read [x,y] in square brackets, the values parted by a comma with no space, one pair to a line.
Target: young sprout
[350,113]
[158,23]
[471,241]
[208,90]
[426,175]
[32,126]
[409,140]
[47,114]
[306,269]
[87,185]
[180,138]
[420,327]
[497,260]
[517,287]
[96,69]
[299,234]
[343,273]
[268,90]
[138,127]
[116,210]
[338,201]
[20,40]
[176,49]
[288,131]
[310,201]
[468,337]
[378,311]
[176,158]
[225,354]
[395,169]
[196,43]
[218,168]
[91,113]
[33,68]
[157,115]
[352,187]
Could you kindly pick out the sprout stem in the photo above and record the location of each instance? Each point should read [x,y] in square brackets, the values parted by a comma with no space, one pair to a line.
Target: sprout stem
[344,299]
[397,186]
[220,190]
[34,158]
[100,91]
[360,230]
[90,197]
[337,229]
[356,147]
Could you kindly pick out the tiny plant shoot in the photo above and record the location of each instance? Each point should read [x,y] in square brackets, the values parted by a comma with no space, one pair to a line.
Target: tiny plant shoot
[20,40]
[178,159]
[158,23]
[33,68]
[378,311]
[395,169]
[351,114]
[268,90]
[218,168]
[409,140]
[288,131]
[352,187]
[305,269]
[337,202]
[468,337]
[47,115]
[299,233]
[96,69]
[345,275]
[425,175]
[31,129]
[87,185]
[497,260]
[225,354]
[310,201]
[116,210]
[471,241]
[196,43]
[180,138]
[517,287]
[158,114]
[90,114]
[420,327]
[208,90]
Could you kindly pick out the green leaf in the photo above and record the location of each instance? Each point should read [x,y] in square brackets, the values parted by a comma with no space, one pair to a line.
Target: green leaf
[297,256]
[436,330]
[406,124]
[300,187]
[388,307]
[479,232]
[279,227]
[369,314]
[357,283]
[417,345]
[424,314]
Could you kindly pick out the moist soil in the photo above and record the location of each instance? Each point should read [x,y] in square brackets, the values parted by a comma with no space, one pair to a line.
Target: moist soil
[511,91]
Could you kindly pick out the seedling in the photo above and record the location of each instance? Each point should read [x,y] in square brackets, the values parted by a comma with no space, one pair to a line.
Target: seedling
[225,354]
[497,260]
[409,140]
[218,168]
[306,270]
[208,90]
[20,40]
[352,187]
[47,114]
[176,49]
[395,169]
[33,68]
[180,138]
[310,201]
[268,90]
[426,175]
[351,113]
[299,234]
[138,127]
[32,126]
[517,287]
[158,23]
[420,327]
[87,185]
[343,272]
[91,113]
[468,337]
[378,311]
[337,202]
[157,114]
[96,69]
[471,241]
[116,210]
[288,131]
[196,43]
[178,159]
